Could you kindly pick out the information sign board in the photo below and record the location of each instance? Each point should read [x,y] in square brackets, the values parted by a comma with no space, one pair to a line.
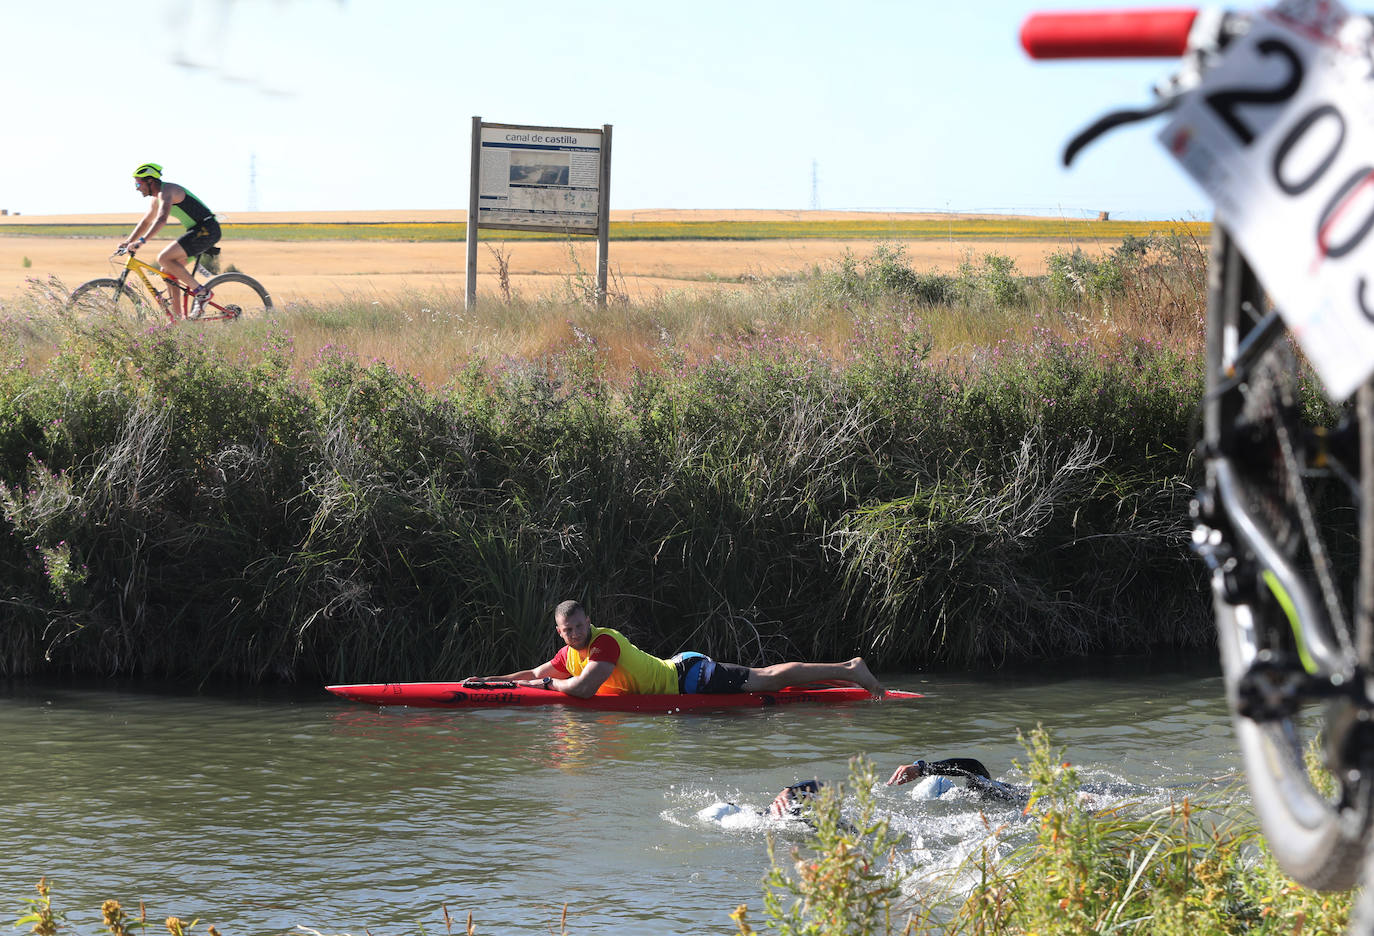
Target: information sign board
[539,178]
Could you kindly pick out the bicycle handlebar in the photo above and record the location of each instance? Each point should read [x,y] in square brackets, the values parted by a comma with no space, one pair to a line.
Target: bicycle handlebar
[1156,33]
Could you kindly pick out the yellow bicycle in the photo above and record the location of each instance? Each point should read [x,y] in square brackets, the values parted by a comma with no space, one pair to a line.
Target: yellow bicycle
[134,294]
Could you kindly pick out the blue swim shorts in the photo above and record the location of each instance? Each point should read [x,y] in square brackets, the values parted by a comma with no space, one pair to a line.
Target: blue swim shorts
[698,673]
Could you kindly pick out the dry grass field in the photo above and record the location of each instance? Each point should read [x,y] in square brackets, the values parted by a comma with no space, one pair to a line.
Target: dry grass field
[322,271]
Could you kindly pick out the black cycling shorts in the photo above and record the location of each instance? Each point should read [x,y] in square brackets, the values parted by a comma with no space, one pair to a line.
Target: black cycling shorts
[200,238]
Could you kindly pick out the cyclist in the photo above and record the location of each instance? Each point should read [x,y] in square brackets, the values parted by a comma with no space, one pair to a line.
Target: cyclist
[202,230]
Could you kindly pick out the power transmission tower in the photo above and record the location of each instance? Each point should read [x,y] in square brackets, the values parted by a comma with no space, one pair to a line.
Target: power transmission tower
[253,182]
[815,185]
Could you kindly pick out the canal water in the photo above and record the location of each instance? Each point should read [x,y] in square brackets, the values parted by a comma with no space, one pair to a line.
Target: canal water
[263,811]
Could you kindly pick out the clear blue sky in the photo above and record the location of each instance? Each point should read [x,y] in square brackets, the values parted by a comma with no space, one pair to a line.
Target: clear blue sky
[362,104]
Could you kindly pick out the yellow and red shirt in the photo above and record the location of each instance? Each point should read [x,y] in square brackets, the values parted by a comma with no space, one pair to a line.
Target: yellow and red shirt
[635,671]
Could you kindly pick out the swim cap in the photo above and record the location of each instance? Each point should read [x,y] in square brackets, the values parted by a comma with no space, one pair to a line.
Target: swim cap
[932,788]
[148,171]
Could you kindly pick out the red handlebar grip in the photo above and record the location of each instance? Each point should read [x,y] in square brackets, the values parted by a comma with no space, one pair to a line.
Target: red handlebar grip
[1160,33]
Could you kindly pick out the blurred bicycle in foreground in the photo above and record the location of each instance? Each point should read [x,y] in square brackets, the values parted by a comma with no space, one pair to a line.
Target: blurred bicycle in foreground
[1272,113]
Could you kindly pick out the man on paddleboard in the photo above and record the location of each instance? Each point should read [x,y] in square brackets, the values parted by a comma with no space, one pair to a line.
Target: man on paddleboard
[599,659]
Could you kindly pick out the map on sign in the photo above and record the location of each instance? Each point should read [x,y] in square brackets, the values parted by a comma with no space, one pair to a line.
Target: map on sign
[539,178]
[1279,134]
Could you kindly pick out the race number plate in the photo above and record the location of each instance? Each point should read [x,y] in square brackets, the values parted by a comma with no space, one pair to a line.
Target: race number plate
[1281,135]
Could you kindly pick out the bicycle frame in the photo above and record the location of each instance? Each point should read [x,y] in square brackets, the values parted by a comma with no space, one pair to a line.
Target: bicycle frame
[176,302]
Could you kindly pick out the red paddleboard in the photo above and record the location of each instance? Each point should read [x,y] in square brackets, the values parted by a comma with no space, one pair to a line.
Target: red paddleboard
[505,694]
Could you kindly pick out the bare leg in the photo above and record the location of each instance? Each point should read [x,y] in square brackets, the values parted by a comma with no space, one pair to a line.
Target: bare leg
[781,675]
[173,261]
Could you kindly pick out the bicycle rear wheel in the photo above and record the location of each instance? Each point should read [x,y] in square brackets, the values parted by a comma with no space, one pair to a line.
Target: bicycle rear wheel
[237,295]
[106,296]
[1282,511]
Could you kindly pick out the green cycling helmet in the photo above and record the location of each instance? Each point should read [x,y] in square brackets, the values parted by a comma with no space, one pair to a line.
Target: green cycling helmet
[148,171]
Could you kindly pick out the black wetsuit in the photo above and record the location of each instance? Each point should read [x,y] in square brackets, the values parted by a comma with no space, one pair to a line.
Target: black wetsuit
[975,775]
[958,767]
[807,788]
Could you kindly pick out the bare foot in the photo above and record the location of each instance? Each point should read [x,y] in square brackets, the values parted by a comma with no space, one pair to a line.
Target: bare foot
[861,675]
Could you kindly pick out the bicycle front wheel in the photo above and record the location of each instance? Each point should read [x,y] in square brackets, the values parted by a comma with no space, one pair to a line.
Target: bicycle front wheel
[1286,496]
[236,296]
[106,296]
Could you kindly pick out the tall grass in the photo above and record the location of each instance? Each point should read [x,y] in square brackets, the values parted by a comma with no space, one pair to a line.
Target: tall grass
[1147,288]
[828,466]
[43,919]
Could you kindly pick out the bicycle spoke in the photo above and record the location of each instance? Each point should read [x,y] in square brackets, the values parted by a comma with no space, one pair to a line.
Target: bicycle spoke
[106,297]
[237,296]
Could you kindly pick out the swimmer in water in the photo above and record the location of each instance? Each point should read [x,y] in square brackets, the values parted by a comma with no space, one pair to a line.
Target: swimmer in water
[790,801]
[973,773]
[787,805]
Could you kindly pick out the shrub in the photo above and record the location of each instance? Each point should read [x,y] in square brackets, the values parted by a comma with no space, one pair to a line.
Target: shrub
[886,272]
[993,281]
[1192,868]
[171,508]
[843,884]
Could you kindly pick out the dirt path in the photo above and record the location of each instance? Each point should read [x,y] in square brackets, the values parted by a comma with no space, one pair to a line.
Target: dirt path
[329,270]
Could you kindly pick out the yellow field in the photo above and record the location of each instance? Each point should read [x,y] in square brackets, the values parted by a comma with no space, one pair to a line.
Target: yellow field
[326,270]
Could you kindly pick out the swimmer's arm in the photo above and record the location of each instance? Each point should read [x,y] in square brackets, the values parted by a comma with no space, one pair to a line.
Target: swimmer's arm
[782,803]
[959,767]
[905,774]
[785,802]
